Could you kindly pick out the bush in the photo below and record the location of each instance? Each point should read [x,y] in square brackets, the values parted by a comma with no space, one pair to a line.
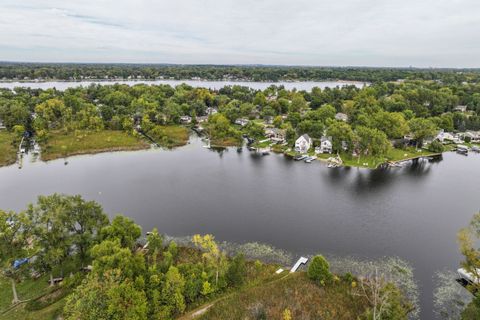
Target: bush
[319,270]
[236,271]
[436,146]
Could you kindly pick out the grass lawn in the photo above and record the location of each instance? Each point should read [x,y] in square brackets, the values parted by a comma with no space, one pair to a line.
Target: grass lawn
[169,136]
[226,142]
[30,289]
[296,292]
[393,154]
[61,145]
[8,152]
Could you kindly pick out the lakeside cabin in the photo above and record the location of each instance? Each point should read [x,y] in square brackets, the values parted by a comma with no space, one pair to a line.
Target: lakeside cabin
[303,143]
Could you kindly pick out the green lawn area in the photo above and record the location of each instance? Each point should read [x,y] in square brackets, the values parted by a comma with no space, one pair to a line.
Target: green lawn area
[8,152]
[31,289]
[61,145]
[297,293]
[226,142]
[169,136]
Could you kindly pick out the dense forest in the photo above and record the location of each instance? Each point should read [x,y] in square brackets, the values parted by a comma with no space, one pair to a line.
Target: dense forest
[70,71]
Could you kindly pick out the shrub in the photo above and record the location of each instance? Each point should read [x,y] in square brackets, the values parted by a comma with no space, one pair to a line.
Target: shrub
[319,270]
[436,146]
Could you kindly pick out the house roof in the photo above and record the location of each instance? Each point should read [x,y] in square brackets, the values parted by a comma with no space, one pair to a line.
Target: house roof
[306,137]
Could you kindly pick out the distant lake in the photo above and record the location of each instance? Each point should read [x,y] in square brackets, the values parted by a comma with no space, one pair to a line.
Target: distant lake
[412,212]
[215,85]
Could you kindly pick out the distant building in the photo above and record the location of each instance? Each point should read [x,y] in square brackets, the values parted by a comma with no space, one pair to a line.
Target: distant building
[341,117]
[2,126]
[211,111]
[462,109]
[202,119]
[185,119]
[275,134]
[325,146]
[303,143]
[241,121]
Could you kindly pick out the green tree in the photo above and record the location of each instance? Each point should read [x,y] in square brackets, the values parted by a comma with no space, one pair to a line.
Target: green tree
[254,130]
[341,132]
[212,255]
[109,297]
[15,232]
[236,271]
[372,141]
[319,270]
[109,255]
[86,221]
[172,291]
[123,229]
[51,219]
[422,129]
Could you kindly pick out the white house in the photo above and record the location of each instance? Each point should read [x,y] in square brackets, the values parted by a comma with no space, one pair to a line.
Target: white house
[185,119]
[275,134]
[210,111]
[325,145]
[462,109]
[241,121]
[303,143]
[2,126]
[443,136]
[341,117]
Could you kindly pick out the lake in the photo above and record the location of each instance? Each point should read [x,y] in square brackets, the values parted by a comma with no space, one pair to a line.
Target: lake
[412,212]
[215,85]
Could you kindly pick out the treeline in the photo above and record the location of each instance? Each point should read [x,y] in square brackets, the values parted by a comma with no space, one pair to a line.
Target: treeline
[123,277]
[68,71]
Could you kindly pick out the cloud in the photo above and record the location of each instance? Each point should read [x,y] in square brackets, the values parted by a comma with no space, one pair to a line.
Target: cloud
[302,32]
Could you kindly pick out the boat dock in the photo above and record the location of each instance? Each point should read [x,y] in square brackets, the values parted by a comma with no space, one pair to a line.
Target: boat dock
[297,265]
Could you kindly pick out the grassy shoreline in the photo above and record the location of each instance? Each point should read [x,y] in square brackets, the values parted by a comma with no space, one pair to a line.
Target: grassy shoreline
[8,152]
[370,162]
[60,145]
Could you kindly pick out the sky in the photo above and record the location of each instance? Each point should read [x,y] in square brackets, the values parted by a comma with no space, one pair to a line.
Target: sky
[389,33]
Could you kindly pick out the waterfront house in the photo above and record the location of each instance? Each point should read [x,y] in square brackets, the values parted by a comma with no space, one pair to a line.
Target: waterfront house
[444,137]
[341,117]
[275,135]
[462,109]
[2,126]
[325,146]
[303,143]
[211,111]
[185,119]
[472,136]
[241,121]
[202,119]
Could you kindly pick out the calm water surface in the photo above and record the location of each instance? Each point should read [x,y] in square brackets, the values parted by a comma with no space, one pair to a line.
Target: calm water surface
[304,85]
[412,212]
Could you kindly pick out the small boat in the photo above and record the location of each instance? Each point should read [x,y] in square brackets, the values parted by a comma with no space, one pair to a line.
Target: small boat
[331,165]
[468,276]
[310,159]
[462,149]
[299,157]
[475,149]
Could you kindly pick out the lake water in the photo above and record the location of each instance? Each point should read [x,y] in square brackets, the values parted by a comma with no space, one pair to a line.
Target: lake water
[412,212]
[305,85]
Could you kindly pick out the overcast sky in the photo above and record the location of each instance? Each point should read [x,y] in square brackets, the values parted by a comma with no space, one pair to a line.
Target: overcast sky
[401,33]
